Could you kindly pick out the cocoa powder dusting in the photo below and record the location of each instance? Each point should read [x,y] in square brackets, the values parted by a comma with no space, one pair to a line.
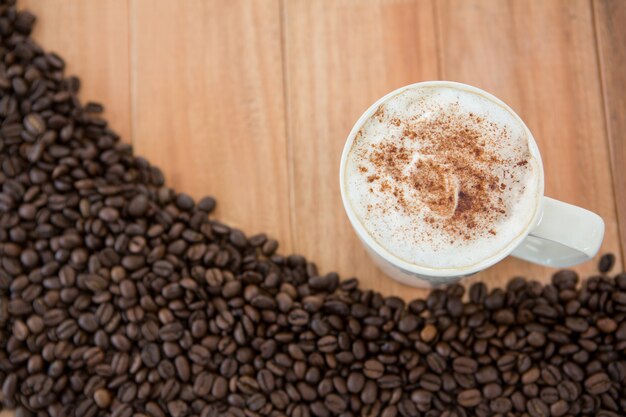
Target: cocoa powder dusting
[452,174]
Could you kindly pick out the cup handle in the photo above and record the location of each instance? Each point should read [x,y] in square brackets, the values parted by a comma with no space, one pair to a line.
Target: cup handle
[565,235]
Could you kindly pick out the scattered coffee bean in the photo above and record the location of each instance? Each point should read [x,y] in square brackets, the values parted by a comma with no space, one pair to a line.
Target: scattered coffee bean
[373,369]
[121,297]
[469,398]
[606,263]
[597,383]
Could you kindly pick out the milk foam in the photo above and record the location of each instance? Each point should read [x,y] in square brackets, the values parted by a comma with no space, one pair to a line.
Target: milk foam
[442,177]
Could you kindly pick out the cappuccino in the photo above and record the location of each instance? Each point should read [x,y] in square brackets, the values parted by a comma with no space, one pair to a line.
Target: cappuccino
[442,177]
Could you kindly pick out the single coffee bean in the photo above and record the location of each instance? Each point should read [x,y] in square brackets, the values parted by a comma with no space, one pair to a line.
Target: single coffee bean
[606,325]
[373,369]
[428,333]
[335,403]
[559,408]
[355,382]
[151,355]
[606,263]
[436,363]
[537,408]
[256,401]
[469,398]
[465,365]
[492,391]
[177,408]
[568,390]
[501,405]
[597,383]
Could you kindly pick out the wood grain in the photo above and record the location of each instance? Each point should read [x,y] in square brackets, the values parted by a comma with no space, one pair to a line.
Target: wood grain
[341,56]
[610,16]
[207,100]
[251,101]
[540,58]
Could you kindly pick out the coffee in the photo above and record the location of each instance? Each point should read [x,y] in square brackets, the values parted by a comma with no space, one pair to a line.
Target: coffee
[442,177]
[120,297]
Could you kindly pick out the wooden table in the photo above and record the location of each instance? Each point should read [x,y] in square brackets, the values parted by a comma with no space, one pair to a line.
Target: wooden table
[251,100]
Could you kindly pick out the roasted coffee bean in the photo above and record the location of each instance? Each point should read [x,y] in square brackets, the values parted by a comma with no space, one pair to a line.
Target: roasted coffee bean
[430,382]
[465,365]
[597,383]
[335,403]
[606,263]
[428,333]
[537,408]
[373,369]
[501,405]
[606,325]
[119,296]
[266,380]
[151,355]
[469,398]
[355,382]
[559,408]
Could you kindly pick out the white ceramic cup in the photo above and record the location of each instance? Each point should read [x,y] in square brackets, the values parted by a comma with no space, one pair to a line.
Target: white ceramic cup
[559,235]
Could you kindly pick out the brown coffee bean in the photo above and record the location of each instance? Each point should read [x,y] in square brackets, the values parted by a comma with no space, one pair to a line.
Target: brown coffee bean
[606,325]
[355,382]
[500,405]
[559,408]
[436,363]
[531,376]
[430,382]
[428,333]
[568,390]
[465,365]
[537,408]
[327,344]
[469,398]
[408,324]
[422,399]
[551,375]
[369,393]
[220,387]
[120,296]
[536,339]
[335,403]
[597,383]
[151,355]
[606,263]
[492,391]
[573,371]
[203,384]
[138,206]
[373,369]
[266,381]
[177,408]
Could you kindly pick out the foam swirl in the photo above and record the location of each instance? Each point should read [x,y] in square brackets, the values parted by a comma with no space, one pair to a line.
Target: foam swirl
[442,177]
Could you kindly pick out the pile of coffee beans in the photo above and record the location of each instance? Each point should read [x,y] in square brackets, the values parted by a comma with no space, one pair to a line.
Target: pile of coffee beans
[120,297]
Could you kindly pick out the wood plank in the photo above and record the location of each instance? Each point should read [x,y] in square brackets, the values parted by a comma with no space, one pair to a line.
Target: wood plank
[341,56]
[208,107]
[540,58]
[610,16]
[93,38]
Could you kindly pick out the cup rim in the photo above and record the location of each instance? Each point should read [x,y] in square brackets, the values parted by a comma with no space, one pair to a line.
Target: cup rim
[365,236]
